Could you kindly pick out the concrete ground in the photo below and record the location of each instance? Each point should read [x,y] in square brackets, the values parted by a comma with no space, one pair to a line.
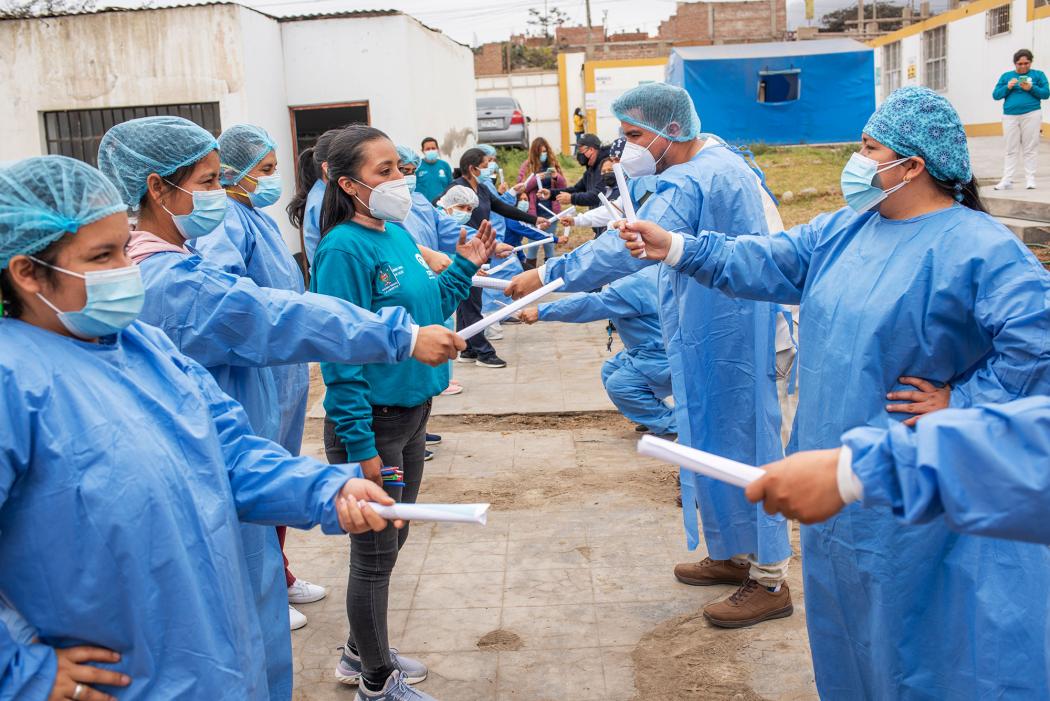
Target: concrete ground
[567,593]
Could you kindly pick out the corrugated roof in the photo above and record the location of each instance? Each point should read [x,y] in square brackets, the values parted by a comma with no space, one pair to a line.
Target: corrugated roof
[773,49]
[106,10]
[337,15]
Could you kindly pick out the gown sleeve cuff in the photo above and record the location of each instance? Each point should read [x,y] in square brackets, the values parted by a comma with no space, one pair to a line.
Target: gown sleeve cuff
[542,270]
[415,335]
[851,489]
[674,254]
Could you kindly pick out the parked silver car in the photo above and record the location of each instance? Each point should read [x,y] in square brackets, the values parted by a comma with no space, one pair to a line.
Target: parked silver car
[502,123]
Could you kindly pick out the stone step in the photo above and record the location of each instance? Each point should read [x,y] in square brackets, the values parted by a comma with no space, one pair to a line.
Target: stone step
[1027,230]
[1018,208]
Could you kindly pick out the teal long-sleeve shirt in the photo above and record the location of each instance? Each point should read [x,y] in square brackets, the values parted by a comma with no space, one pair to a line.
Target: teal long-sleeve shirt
[432,179]
[1016,100]
[374,270]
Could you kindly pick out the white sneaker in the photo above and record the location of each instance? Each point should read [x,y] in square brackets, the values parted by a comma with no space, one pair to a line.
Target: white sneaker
[1004,185]
[297,619]
[1029,184]
[303,592]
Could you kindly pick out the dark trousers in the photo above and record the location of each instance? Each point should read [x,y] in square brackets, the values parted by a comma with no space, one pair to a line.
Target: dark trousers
[400,436]
[469,312]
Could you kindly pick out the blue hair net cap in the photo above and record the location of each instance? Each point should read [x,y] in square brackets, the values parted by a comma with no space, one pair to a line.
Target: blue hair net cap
[131,151]
[241,147]
[487,149]
[660,108]
[46,197]
[407,155]
[916,121]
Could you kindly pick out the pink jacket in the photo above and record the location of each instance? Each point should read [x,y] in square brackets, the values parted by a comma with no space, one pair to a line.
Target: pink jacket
[143,244]
[533,187]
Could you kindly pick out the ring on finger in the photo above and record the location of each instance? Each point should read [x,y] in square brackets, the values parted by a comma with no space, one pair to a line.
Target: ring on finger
[77,691]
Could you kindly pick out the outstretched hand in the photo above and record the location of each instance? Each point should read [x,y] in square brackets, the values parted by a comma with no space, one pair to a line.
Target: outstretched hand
[480,247]
[803,486]
[524,283]
[645,236]
[354,515]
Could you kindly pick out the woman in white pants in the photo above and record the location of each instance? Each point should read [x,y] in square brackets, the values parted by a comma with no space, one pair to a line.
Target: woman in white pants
[1021,90]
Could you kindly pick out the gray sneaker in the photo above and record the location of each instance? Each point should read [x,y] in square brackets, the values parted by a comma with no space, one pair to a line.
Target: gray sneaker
[395,689]
[349,669]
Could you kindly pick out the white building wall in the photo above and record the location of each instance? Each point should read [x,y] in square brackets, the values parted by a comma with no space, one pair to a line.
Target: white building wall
[538,94]
[574,89]
[263,103]
[417,81]
[609,84]
[975,61]
[114,59]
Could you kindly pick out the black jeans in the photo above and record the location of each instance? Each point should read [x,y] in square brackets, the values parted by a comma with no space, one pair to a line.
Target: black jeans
[470,311]
[400,435]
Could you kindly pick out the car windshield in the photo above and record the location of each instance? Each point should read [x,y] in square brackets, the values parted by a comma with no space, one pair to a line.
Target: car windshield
[496,103]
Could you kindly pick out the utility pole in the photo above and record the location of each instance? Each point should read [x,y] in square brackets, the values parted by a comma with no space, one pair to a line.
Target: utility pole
[590,39]
[860,18]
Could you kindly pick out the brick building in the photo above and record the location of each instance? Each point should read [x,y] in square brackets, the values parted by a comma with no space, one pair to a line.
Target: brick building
[726,22]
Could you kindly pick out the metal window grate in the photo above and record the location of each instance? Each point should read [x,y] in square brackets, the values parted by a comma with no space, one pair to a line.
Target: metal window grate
[935,58]
[77,133]
[891,67]
[998,21]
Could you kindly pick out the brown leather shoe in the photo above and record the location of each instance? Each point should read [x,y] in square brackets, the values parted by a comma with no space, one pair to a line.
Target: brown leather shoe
[708,571]
[750,604]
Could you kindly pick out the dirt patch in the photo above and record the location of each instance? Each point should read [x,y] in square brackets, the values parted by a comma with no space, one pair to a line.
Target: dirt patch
[686,659]
[562,421]
[500,640]
[655,485]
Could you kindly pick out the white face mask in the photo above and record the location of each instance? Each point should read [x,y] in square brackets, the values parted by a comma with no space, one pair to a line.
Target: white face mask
[637,161]
[390,201]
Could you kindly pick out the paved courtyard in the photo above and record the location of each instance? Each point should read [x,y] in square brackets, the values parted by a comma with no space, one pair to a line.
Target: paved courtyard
[567,593]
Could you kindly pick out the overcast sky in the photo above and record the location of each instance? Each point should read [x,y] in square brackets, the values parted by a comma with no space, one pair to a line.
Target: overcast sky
[478,21]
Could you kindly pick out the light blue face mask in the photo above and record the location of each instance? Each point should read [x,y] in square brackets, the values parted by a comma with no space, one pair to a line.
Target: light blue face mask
[267,190]
[543,157]
[114,300]
[859,182]
[460,216]
[488,171]
[411,180]
[209,210]
[430,156]
[523,205]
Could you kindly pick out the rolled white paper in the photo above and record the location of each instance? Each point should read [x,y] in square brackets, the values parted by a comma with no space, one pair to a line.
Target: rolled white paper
[489,282]
[501,266]
[509,310]
[610,207]
[533,244]
[625,201]
[707,464]
[446,513]
[501,180]
[528,180]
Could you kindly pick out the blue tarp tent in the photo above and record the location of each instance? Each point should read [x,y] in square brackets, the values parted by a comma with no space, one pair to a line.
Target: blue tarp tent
[790,92]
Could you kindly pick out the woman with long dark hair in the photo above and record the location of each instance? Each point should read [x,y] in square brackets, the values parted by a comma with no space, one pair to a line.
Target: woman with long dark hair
[475,164]
[377,414]
[543,163]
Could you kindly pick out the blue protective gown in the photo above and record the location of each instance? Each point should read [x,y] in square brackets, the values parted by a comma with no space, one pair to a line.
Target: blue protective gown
[639,377]
[900,611]
[312,220]
[983,469]
[124,473]
[253,246]
[239,331]
[720,349]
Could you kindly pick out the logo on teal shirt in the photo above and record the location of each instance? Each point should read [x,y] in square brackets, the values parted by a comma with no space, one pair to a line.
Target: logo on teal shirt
[386,280]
